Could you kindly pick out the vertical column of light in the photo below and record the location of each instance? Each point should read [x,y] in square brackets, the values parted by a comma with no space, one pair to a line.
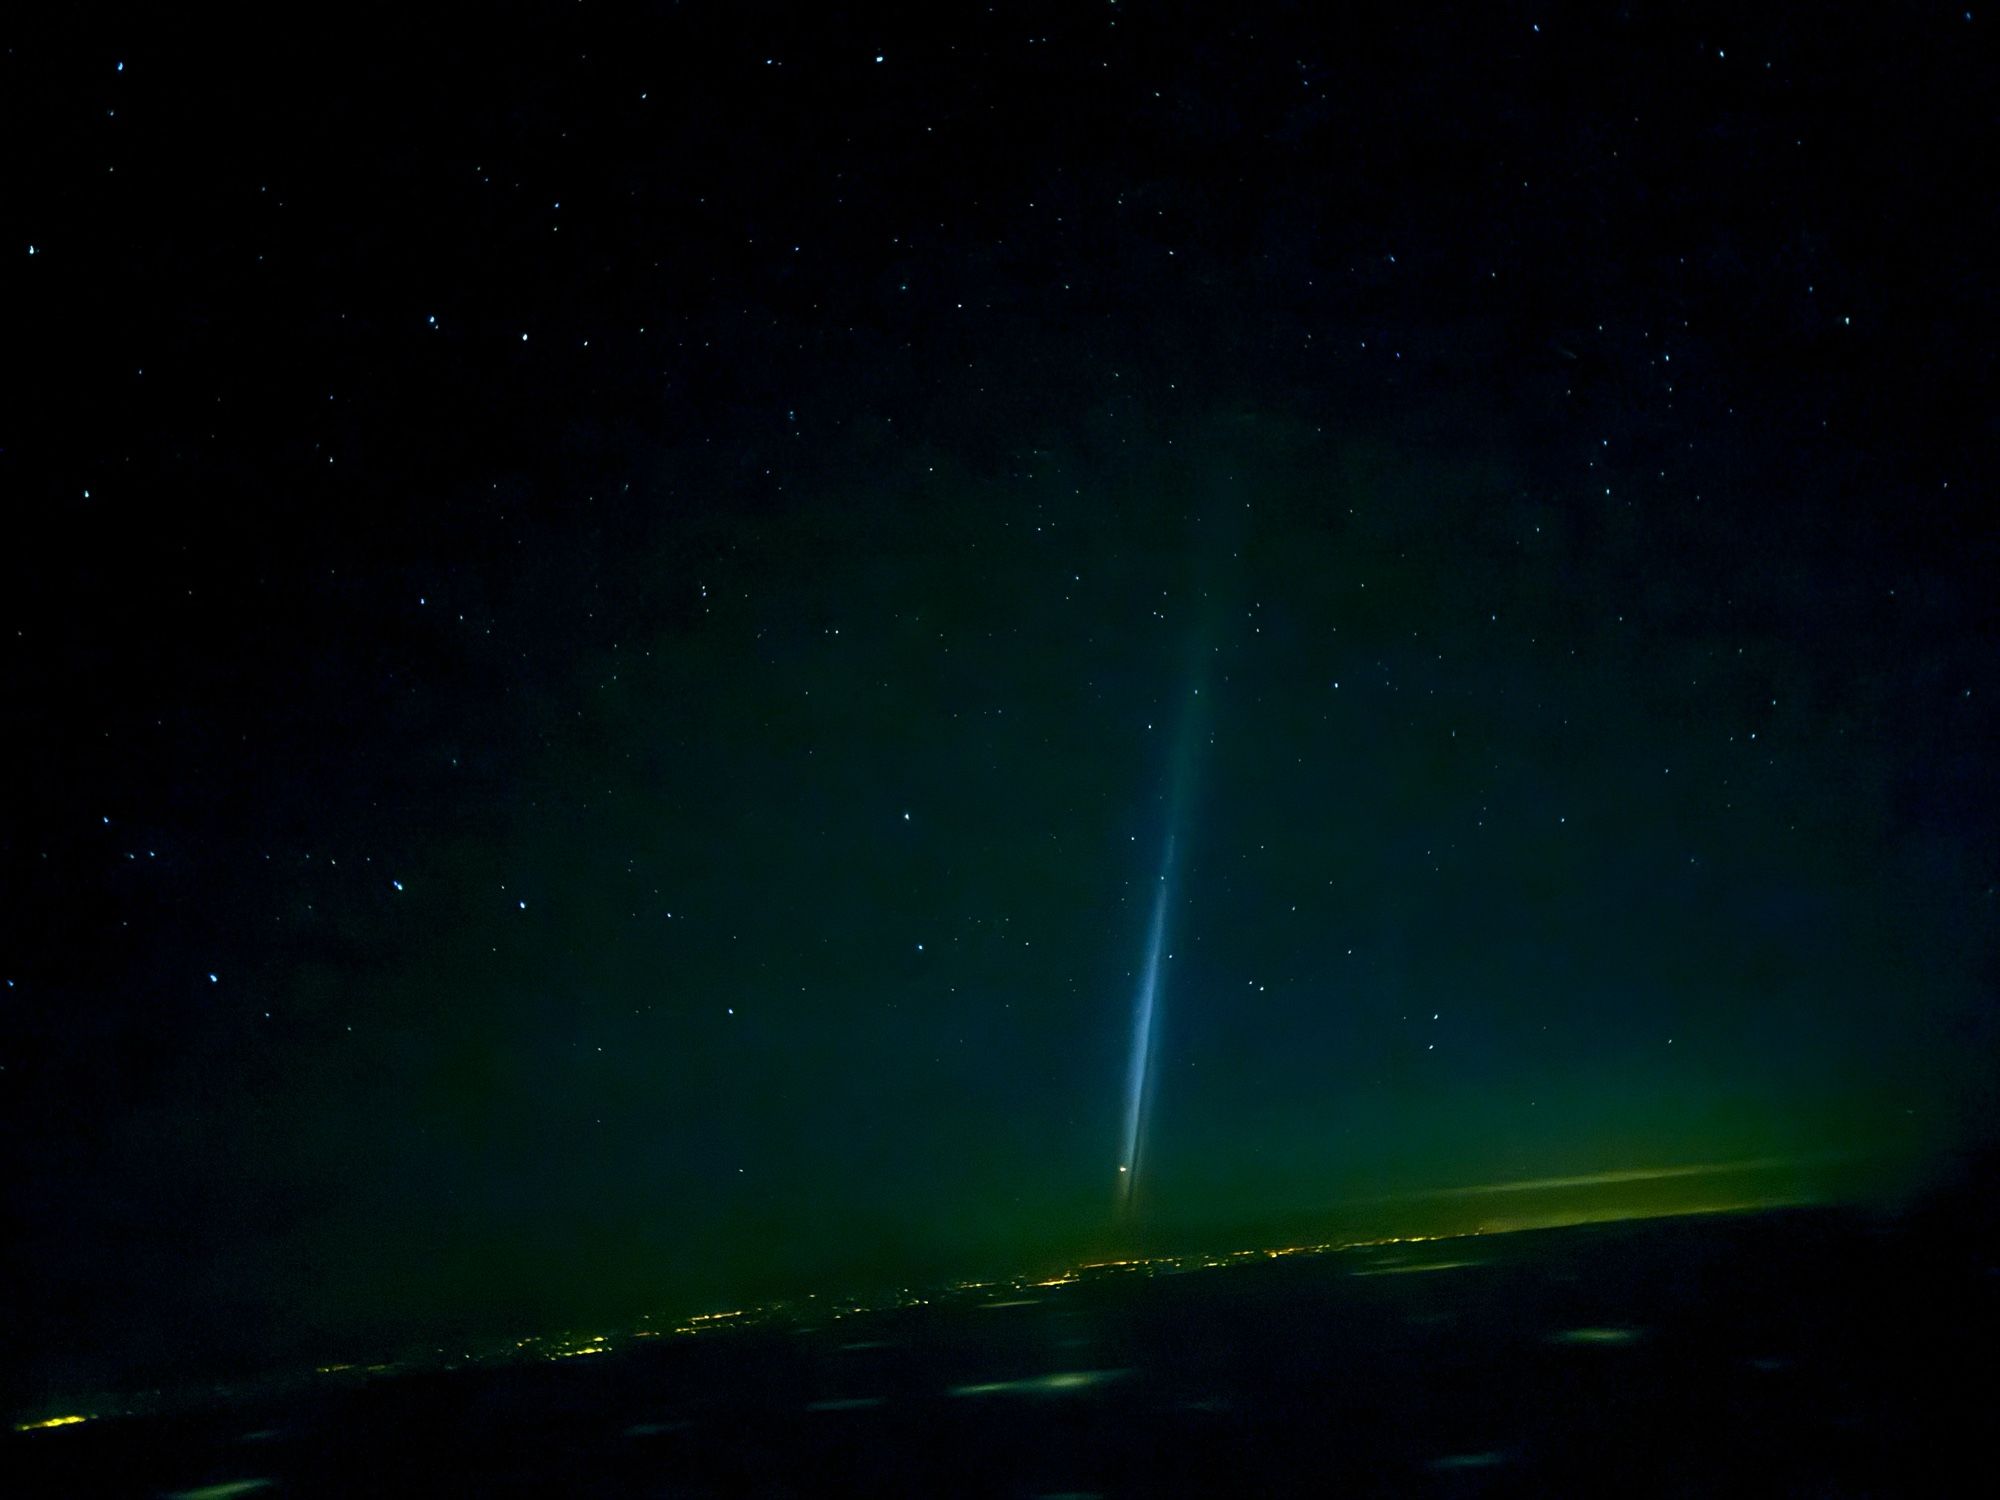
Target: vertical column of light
[1138,1077]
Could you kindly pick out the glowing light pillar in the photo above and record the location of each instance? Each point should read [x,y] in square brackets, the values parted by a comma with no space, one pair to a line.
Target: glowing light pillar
[1146,1005]
[1139,1076]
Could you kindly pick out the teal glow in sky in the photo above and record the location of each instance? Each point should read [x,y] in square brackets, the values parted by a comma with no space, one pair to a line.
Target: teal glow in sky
[605,682]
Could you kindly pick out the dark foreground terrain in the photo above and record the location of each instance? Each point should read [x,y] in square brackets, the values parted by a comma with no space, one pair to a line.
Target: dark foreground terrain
[1794,1353]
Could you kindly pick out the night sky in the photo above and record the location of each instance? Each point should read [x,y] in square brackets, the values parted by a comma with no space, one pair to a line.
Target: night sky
[609,614]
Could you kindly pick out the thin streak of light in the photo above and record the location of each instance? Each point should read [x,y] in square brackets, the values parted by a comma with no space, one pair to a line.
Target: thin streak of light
[1139,1073]
[1605,1179]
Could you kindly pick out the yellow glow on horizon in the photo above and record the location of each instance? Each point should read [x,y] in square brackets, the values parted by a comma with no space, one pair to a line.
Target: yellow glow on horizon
[65,1421]
[1515,1223]
[1612,1178]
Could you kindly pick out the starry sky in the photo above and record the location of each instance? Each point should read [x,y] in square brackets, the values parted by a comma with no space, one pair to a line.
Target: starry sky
[608,613]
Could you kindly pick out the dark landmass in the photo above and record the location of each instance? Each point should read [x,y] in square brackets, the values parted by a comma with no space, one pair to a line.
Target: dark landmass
[1793,1352]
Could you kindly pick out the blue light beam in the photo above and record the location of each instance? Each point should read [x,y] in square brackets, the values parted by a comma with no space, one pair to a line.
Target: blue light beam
[1139,1076]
